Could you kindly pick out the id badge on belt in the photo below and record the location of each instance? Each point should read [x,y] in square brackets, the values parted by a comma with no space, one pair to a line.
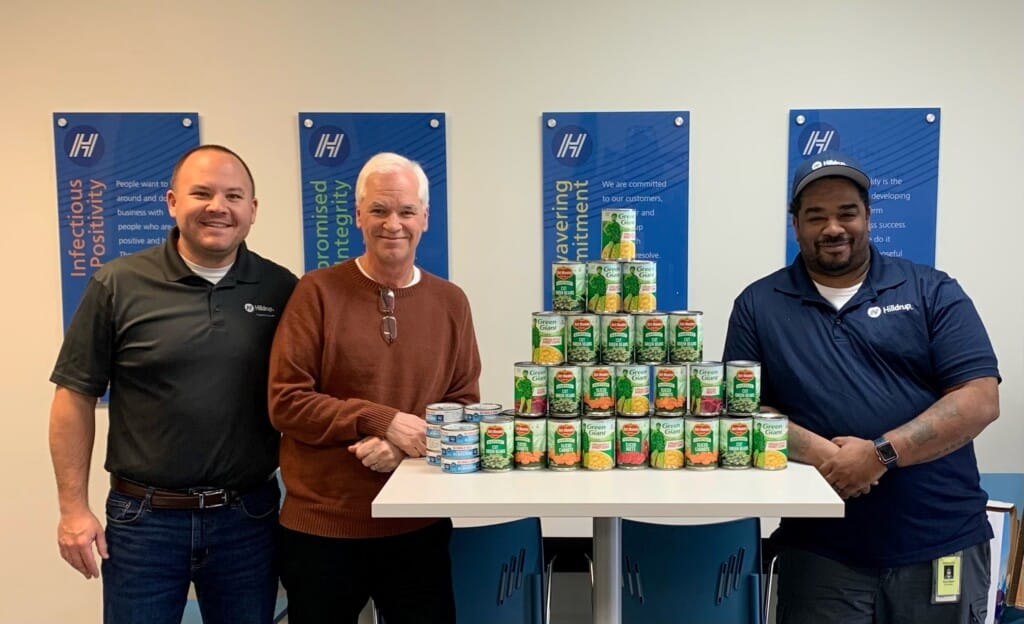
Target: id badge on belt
[946,578]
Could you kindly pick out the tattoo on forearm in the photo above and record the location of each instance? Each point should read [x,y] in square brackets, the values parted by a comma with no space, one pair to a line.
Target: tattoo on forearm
[924,434]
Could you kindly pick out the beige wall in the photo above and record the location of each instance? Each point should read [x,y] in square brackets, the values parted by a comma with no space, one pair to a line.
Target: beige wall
[494,67]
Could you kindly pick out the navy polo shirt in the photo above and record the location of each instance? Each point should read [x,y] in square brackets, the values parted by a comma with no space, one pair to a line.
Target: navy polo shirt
[907,335]
[186,362]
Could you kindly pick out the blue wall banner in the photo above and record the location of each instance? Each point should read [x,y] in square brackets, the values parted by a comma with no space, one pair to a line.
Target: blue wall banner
[899,150]
[334,147]
[113,171]
[638,160]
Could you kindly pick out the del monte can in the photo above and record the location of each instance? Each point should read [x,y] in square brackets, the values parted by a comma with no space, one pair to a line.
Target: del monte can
[685,336]
[568,286]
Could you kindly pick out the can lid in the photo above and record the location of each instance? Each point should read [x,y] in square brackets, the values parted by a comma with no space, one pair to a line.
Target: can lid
[459,427]
[444,406]
[497,418]
[769,415]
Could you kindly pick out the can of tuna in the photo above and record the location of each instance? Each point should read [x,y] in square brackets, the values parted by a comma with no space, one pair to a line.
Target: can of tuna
[771,436]
[700,439]
[460,466]
[632,441]
[475,413]
[743,386]
[597,439]
[564,443]
[616,341]
[439,413]
[667,441]
[632,390]
[599,390]
[650,329]
[639,286]
[460,433]
[497,439]
[568,286]
[669,389]
[459,451]
[564,390]
[735,441]
[434,457]
[434,437]
[604,283]
[583,337]
[531,389]
[685,336]
[531,442]
[707,388]
[618,233]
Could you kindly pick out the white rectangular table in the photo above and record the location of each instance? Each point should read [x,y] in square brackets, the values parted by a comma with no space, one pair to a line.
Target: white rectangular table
[419,490]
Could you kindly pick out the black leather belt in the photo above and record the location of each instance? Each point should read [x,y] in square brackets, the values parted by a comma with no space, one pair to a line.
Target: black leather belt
[175,499]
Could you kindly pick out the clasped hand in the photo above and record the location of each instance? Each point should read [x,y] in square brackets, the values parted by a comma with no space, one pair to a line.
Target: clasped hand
[854,468]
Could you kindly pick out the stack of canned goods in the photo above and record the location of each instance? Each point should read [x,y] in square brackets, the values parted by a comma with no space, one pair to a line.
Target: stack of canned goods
[438,415]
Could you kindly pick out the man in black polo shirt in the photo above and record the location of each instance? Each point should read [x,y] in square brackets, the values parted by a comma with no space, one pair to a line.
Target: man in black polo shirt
[181,333]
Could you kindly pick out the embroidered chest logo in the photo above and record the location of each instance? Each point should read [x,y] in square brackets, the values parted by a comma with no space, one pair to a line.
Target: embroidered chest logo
[260,309]
[875,311]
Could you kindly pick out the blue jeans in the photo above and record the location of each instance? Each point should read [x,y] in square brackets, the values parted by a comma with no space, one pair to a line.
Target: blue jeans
[228,552]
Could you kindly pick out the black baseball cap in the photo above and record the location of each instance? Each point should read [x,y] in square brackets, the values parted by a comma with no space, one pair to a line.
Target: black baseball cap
[828,164]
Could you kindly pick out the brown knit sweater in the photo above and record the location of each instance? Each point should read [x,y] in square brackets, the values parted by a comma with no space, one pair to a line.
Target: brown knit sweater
[334,380]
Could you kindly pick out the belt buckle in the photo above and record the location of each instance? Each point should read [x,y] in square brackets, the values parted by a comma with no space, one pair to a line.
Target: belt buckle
[203,504]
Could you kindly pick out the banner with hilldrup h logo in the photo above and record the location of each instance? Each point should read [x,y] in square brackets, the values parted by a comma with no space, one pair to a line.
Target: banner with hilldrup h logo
[334,147]
[638,160]
[113,170]
[899,150]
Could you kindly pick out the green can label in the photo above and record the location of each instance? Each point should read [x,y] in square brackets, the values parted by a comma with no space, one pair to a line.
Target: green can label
[564,390]
[771,436]
[685,337]
[632,442]
[707,388]
[735,436]
[651,330]
[568,286]
[616,338]
[639,286]
[604,285]
[670,389]
[583,334]
[598,441]
[700,442]
[548,338]
[618,233]
[564,443]
[531,388]
[496,443]
[667,442]
[530,443]
[598,389]
[743,386]
[632,389]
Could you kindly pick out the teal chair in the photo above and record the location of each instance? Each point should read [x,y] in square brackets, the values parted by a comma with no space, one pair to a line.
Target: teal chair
[692,573]
[497,574]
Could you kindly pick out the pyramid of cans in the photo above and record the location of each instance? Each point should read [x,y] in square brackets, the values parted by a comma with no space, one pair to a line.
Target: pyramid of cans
[613,382]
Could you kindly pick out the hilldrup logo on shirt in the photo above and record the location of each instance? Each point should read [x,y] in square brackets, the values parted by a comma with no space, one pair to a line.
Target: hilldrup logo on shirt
[259,309]
[84,145]
[572,146]
[329,146]
[875,311]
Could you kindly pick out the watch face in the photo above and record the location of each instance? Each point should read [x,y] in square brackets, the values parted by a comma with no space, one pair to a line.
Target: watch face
[886,452]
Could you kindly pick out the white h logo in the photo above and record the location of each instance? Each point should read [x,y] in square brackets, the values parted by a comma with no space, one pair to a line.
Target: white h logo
[83,145]
[819,139]
[329,143]
[571,146]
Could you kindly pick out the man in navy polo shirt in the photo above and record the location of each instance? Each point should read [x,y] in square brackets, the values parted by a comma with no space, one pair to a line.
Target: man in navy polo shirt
[181,334]
[887,375]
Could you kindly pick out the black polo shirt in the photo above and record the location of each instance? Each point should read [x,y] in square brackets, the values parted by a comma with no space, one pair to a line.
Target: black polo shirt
[186,362]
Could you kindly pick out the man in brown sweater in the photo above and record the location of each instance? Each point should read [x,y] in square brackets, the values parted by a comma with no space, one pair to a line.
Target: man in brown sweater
[360,351]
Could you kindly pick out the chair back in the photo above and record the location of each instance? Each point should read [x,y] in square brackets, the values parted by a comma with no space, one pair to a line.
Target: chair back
[702,573]
[497,573]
